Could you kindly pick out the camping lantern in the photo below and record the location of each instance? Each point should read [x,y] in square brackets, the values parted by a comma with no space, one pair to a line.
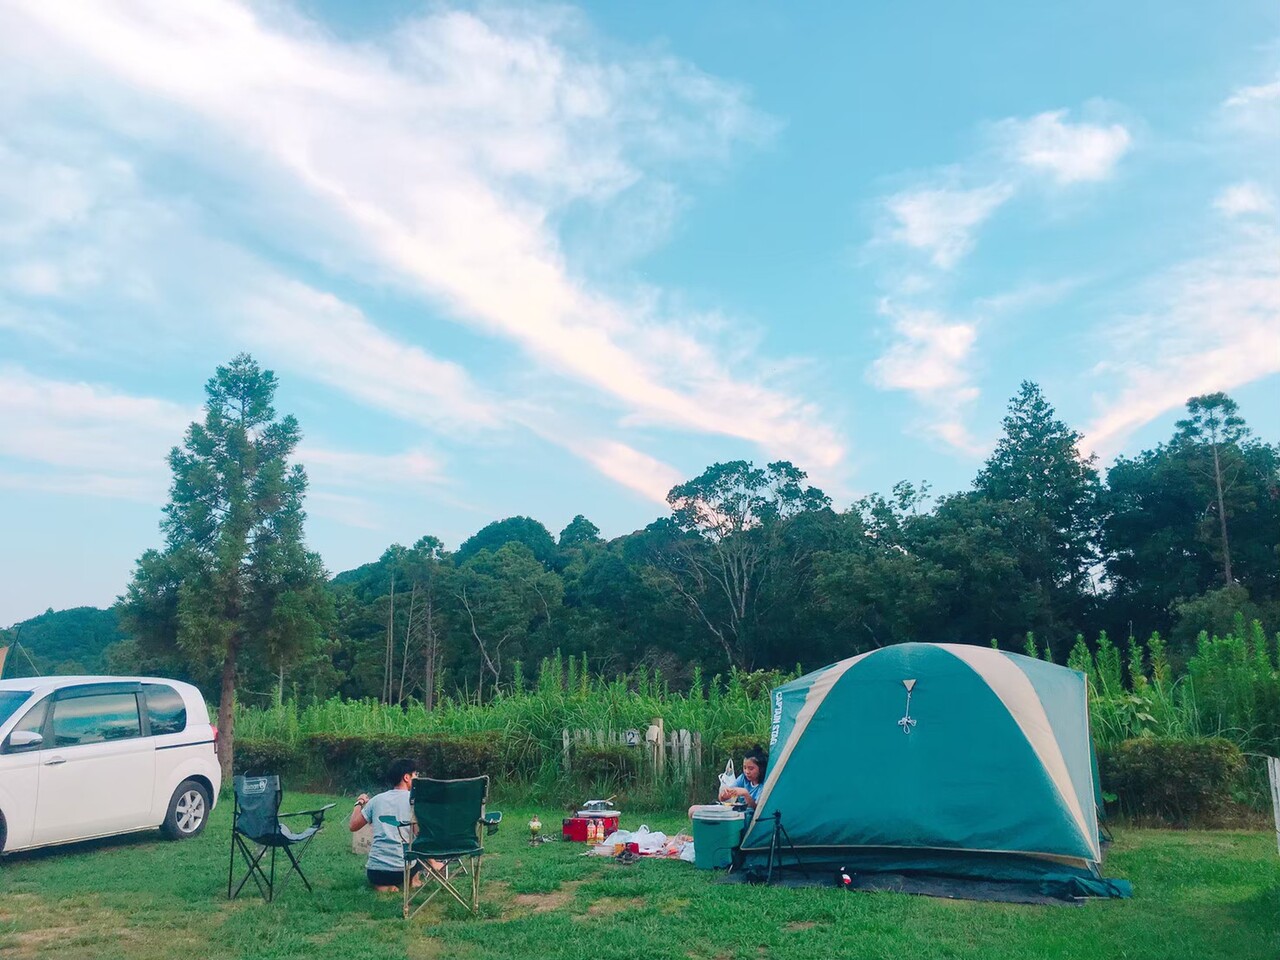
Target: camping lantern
[535,828]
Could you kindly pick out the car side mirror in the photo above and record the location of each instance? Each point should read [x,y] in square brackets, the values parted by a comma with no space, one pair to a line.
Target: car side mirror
[25,738]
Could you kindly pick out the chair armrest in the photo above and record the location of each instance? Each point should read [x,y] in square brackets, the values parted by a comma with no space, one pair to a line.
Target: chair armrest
[309,813]
[317,816]
[401,826]
[490,822]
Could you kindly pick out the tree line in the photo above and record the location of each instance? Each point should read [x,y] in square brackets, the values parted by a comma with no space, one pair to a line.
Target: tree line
[752,567]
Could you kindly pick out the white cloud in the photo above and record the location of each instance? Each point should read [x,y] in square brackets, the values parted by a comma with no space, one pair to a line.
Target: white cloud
[1242,199]
[93,440]
[1213,324]
[1255,109]
[942,221]
[347,468]
[1068,152]
[321,337]
[88,438]
[930,354]
[930,358]
[1252,96]
[438,158]
[646,475]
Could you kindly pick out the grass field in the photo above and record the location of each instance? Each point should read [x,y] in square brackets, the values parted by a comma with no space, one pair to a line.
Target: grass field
[1197,895]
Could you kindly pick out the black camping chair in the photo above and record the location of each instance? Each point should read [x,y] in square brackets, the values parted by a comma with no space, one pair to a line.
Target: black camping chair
[256,828]
[451,824]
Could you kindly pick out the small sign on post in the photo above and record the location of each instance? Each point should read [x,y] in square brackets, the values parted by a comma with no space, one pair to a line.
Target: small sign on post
[1273,775]
[631,738]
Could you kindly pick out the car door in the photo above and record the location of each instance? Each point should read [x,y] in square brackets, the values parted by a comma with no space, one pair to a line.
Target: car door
[20,775]
[97,768]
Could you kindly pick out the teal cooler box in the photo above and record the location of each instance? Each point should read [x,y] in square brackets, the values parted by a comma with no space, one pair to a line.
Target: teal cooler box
[716,834]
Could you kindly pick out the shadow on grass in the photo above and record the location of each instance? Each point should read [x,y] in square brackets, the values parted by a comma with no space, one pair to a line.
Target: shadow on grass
[139,838]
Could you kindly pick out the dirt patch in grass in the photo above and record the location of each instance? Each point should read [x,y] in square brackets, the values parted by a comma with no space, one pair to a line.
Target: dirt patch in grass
[46,940]
[799,925]
[606,906]
[49,927]
[547,902]
[677,905]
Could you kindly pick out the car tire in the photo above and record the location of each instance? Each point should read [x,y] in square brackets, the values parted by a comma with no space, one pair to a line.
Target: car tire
[4,832]
[188,811]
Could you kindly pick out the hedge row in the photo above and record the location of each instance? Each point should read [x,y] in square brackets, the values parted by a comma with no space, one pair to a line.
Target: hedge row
[1180,782]
[346,762]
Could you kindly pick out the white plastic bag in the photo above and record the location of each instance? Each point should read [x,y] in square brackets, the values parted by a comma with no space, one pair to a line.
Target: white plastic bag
[728,778]
[686,852]
[650,842]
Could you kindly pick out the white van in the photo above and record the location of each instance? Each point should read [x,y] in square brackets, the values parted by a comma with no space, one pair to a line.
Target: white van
[84,757]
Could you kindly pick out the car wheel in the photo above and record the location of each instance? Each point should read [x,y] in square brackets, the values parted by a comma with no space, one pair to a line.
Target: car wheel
[4,832]
[188,811]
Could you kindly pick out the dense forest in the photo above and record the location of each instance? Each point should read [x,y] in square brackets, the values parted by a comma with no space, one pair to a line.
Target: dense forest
[752,568]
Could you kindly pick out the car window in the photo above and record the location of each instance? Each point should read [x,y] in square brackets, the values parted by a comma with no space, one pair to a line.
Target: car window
[96,719]
[165,708]
[31,722]
[10,701]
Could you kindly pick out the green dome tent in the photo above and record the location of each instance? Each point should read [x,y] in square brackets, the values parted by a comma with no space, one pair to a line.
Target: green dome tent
[936,759]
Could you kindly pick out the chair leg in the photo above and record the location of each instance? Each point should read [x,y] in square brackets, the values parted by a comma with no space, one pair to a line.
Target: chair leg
[271,885]
[296,868]
[254,860]
[475,885]
[405,889]
[231,868]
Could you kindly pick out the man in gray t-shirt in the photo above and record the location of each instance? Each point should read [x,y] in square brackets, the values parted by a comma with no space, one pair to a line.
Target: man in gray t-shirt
[385,866]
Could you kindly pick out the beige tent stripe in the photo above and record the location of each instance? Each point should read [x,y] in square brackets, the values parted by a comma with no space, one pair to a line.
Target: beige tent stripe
[1023,703]
[812,701]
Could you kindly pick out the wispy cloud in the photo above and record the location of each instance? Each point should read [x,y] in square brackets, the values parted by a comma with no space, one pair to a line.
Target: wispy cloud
[941,221]
[1067,152]
[348,468]
[85,437]
[1214,324]
[930,358]
[1243,199]
[646,475]
[1254,109]
[322,337]
[91,439]
[1247,97]
[930,355]
[438,157]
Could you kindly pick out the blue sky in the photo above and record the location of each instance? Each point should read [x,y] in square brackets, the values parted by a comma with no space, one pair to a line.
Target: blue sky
[547,260]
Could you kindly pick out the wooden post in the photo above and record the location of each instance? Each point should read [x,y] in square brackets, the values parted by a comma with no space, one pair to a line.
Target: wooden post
[662,746]
[564,736]
[1273,776]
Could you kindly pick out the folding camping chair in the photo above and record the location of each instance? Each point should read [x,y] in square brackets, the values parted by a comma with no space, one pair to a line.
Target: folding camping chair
[256,819]
[448,827]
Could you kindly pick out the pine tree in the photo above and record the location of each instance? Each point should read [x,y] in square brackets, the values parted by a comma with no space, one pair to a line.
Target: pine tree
[235,580]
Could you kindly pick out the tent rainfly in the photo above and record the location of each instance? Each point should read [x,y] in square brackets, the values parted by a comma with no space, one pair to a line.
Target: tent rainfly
[939,760]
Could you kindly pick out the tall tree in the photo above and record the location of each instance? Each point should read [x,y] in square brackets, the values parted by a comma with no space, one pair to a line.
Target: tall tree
[579,533]
[513,529]
[504,598]
[1037,465]
[1214,422]
[235,581]
[733,560]
[1177,514]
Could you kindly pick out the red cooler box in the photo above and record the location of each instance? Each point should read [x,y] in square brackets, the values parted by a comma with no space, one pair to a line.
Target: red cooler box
[575,828]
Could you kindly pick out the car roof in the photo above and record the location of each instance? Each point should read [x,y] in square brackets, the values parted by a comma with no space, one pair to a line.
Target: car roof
[41,684]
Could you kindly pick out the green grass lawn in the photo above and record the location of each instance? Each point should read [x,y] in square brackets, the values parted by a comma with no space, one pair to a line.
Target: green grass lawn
[1197,895]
